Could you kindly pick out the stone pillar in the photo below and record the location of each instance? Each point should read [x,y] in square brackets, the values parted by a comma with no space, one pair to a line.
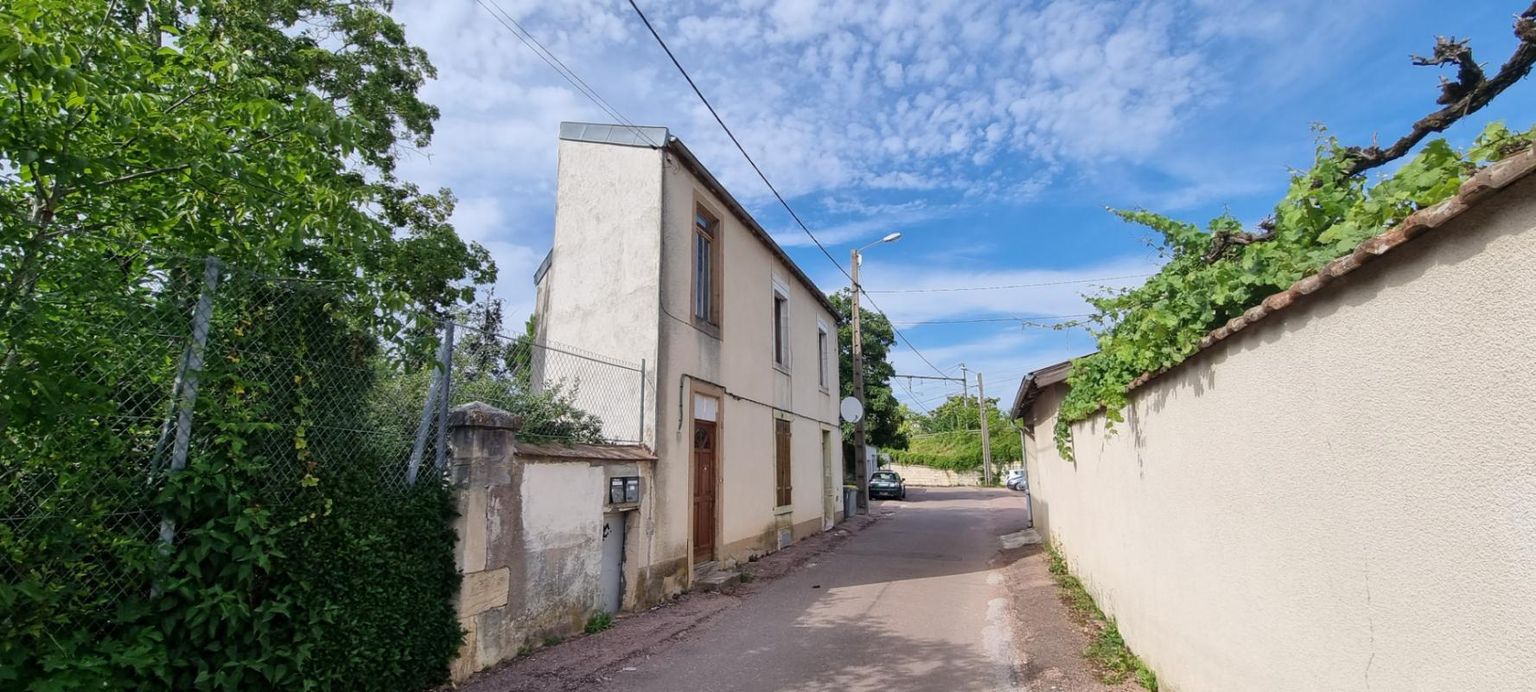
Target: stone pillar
[487,481]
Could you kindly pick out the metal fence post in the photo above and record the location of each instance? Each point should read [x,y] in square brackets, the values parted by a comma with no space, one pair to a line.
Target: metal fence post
[429,407]
[640,437]
[192,366]
[445,400]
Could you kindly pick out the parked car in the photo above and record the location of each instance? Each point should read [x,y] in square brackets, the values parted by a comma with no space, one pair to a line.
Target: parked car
[1016,480]
[887,484]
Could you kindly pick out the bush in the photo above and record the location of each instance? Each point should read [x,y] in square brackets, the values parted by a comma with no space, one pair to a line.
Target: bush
[299,560]
[600,620]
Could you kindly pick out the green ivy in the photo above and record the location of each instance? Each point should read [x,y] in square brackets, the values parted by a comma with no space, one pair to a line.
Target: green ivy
[299,561]
[1325,214]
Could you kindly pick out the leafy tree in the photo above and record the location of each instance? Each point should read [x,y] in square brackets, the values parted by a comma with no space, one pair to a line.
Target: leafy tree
[949,436]
[135,138]
[265,132]
[882,412]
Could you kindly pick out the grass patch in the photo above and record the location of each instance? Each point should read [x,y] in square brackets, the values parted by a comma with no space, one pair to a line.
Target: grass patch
[599,621]
[1107,650]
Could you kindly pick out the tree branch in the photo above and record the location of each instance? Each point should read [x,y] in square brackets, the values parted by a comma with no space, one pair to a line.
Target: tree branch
[1468,93]
[1224,240]
[140,174]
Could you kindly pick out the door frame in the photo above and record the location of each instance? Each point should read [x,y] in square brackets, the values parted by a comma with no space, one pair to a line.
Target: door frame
[695,390]
[830,487]
[620,522]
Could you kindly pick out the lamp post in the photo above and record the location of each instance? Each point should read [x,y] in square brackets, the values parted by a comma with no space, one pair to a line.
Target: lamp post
[860,462]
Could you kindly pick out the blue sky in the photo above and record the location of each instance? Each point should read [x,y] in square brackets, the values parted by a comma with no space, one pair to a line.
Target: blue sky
[991,134]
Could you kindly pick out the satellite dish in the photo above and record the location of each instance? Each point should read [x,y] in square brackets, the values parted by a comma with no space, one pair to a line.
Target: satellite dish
[851,409]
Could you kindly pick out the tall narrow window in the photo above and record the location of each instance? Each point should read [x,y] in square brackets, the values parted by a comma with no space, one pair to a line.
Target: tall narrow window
[780,329]
[821,354]
[781,439]
[706,268]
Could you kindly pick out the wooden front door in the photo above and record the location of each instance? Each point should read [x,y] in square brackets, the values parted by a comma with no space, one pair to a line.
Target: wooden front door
[704,465]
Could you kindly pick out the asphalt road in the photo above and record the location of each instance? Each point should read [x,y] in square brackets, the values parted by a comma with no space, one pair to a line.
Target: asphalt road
[916,602]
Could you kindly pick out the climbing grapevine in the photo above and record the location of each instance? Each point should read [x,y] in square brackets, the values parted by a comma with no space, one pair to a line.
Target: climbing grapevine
[1325,214]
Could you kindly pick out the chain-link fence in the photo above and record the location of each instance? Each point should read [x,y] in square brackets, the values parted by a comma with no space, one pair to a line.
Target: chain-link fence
[158,366]
[561,392]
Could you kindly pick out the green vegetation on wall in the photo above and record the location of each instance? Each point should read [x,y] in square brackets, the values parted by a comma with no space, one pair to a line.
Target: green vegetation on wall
[1325,214]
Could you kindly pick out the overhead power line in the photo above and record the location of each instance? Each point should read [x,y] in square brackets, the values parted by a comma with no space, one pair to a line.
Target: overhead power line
[1008,286]
[555,63]
[798,221]
[1022,320]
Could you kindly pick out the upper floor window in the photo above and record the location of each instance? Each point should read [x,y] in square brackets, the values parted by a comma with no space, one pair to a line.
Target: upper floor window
[823,349]
[780,328]
[706,268]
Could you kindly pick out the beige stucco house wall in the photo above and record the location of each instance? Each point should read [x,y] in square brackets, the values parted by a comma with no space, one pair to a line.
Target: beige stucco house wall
[619,281]
[1340,496]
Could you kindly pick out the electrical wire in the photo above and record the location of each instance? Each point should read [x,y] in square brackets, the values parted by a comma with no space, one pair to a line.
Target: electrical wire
[1008,286]
[792,214]
[1026,321]
[555,63]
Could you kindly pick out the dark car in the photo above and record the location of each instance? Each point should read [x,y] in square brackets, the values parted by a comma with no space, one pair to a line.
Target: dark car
[887,484]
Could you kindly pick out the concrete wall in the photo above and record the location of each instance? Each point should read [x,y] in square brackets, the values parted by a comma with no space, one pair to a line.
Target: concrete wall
[916,475]
[530,531]
[600,292]
[1342,496]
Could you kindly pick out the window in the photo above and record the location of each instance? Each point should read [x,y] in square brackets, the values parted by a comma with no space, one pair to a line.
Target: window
[780,328]
[821,355]
[706,268]
[781,428]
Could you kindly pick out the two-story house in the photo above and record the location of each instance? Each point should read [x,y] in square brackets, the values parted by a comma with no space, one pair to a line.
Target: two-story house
[654,260]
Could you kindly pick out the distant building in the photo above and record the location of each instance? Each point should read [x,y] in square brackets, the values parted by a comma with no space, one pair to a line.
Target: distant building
[653,259]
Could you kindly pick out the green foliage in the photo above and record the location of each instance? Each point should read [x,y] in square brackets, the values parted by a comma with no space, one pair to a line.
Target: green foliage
[262,132]
[296,563]
[882,412]
[1324,215]
[132,136]
[599,621]
[949,437]
[1107,650]
[496,370]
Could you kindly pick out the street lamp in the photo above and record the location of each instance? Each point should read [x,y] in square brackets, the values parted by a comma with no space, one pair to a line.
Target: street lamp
[860,461]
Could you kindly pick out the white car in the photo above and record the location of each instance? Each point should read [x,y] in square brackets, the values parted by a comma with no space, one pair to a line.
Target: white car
[1016,480]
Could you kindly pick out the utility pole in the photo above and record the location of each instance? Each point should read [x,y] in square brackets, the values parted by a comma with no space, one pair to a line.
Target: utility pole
[860,462]
[986,440]
[965,381]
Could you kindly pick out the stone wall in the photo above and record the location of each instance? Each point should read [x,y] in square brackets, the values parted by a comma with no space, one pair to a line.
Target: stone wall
[531,531]
[941,478]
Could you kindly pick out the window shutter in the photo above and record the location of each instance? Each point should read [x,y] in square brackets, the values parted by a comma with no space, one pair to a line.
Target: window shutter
[781,461]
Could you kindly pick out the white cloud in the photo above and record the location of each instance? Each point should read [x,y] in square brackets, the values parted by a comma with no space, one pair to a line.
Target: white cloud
[1045,291]
[952,102]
